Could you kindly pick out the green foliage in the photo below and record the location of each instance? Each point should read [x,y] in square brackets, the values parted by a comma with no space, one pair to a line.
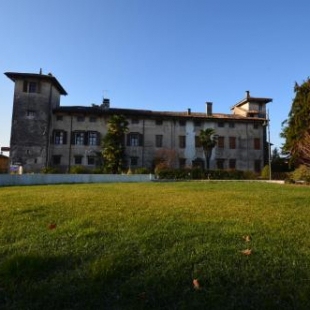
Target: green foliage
[98,170]
[302,173]
[139,246]
[142,170]
[201,174]
[208,142]
[278,163]
[51,170]
[296,128]
[174,174]
[79,170]
[113,144]
[265,172]
[276,174]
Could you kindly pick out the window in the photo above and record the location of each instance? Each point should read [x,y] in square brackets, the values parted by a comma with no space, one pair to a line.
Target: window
[159,140]
[197,141]
[220,163]
[31,87]
[134,121]
[182,122]
[182,142]
[78,159]
[134,139]
[93,138]
[232,142]
[79,138]
[31,113]
[231,125]
[92,119]
[133,161]
[197,123]
[220,142]
[220,124]
[256,143]
[85,138]
[80,118]
[257,165]
[198,163]
[56,159]
[59,118]
[91,160]
[159,122]
[25,87]
[60,137]
[182,162]
[232,164]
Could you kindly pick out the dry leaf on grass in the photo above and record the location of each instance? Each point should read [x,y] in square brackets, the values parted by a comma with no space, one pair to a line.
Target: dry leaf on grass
[247,238]
[196,284]
[247,252]
[52,226]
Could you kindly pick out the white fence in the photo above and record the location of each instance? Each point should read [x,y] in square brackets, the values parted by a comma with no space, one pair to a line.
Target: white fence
[35,179]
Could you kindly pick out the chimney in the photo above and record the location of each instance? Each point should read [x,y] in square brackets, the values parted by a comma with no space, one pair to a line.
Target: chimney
[247,94]
[105,103]
[209,108]
[189,112]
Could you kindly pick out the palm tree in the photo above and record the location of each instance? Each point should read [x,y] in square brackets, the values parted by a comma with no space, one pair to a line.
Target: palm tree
[208,142]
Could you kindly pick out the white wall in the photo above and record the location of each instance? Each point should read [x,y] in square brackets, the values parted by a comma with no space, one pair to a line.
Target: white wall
[36,179]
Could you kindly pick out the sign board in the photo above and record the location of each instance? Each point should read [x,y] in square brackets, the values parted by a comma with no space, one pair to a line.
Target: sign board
[5,149]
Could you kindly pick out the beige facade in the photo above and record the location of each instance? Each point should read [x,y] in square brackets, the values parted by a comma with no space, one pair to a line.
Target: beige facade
[64,137]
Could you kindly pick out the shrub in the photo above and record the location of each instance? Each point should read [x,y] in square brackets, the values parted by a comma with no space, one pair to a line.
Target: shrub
[249,175]
[48,170]
[302,173]
[78,170]
[142,170]
[265,172]
[175,174]
[97,171]
[280,175]
[201,174]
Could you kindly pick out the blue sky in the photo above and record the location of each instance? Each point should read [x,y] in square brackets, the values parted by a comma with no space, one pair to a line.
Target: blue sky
[158,54]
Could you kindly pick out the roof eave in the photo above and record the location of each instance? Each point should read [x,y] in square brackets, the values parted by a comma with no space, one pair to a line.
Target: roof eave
[16,75]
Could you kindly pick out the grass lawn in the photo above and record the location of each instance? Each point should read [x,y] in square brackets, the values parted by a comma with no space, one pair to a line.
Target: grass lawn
[155,246]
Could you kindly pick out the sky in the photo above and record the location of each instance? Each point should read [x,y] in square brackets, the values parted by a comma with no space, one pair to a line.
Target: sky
[164,55]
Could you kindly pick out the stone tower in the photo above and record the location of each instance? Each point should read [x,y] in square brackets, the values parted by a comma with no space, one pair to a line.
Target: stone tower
[35,96]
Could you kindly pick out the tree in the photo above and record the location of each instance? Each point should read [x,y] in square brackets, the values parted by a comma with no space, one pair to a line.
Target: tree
[113,144]
[278,162]
[208,142]
[165,159]
[296,128]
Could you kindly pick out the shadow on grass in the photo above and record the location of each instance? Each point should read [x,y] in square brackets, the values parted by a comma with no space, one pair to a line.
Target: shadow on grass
[124,280]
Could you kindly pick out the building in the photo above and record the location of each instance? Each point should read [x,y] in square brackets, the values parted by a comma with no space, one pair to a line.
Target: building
[45,134]
[4,163]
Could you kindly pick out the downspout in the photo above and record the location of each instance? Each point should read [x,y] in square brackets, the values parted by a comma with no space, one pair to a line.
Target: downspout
[247,146]
[70,147]
[47,150]
[172,142]
[143,132]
